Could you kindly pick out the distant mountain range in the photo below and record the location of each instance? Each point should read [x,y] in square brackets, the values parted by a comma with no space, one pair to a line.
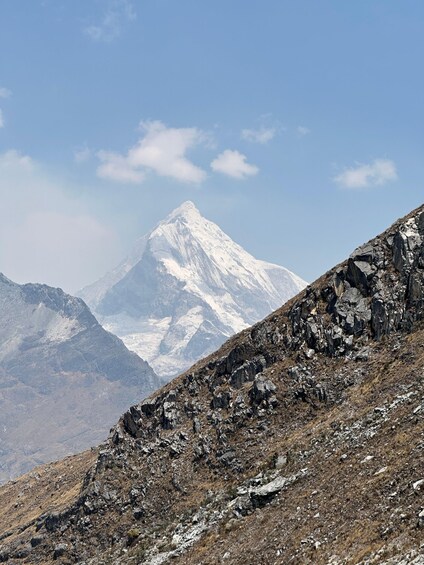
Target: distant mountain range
[185,288]
[63,379]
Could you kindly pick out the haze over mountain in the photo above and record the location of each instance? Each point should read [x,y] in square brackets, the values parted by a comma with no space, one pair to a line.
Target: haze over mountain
[63,379]
[300,441]
[185,288]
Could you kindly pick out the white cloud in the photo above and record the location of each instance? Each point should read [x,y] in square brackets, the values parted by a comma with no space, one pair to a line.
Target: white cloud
[48,236]
[1,119]
[379,172]
[117,14]
[302,131]
[261,135]
[162,150]
[14,161]
[5,92]
[115,167]
[233,164]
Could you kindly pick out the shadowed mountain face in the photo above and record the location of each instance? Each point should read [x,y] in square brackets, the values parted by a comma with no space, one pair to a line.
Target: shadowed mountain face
[185,289]
[300,441]
[63,378]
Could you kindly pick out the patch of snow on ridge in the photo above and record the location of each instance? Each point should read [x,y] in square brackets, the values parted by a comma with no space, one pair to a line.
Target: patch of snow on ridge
[25,323]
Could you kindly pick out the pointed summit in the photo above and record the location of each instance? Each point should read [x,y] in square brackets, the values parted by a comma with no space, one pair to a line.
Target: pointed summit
[186,210]
[185,289]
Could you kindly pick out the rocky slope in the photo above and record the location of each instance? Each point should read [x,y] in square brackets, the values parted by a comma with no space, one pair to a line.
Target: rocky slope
[301,441]
[63,379]
[186,288]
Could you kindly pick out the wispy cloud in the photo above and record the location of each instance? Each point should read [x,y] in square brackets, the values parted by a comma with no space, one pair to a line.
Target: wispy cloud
[302,131]
[5,92]
[51,237]
[161,150]
[261,135]
[82,154]
[233,164]
[117,14]
[13,160]
[379,172]
[118,168]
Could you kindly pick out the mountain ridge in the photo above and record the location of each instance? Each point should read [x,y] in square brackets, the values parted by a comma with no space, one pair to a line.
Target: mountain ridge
[300,440]
[60,366]
[185,289]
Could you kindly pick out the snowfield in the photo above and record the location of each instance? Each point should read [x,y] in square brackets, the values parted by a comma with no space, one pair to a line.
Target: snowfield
[184,289]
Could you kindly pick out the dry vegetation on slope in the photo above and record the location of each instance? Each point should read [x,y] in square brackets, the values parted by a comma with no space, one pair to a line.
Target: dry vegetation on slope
[45,490]
[300,441]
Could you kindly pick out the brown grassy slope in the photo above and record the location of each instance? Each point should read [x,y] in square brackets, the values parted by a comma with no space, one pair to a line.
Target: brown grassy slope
[357,501]
[344,507]
[48,488]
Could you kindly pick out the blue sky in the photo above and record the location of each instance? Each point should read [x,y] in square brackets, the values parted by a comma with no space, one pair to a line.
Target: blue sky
[297,126]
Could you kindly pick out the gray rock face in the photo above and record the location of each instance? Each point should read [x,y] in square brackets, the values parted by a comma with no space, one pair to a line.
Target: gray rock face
[263,494]
[63,378]
[380,289]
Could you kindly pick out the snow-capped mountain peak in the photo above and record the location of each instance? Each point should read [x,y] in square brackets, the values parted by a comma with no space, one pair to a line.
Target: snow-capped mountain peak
[187,210]
[184,289]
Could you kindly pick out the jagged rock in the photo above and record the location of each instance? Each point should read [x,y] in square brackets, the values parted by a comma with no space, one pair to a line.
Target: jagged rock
[380,318]
[359,275]
[228,458]
[415,292]
[400,252]
[353,311]
[367,253]
[203,448]
[420,523]
[247,371]
[169,416]
[418,485]
[131,421]
[138,513]
[263,495]
[51,522]
[261,390]
[60,550]
[148,407]
[221,400]
[36,540]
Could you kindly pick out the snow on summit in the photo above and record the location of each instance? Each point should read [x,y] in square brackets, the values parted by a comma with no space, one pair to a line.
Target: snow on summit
[184,289]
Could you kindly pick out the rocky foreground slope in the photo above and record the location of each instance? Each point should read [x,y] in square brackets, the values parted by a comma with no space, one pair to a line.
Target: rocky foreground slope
[64,380]
[301,441]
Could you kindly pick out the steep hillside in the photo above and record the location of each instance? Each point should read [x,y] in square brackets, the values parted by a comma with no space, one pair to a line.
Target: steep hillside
[301,441]
[186,288]
[63,379]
